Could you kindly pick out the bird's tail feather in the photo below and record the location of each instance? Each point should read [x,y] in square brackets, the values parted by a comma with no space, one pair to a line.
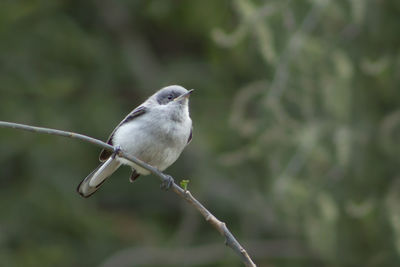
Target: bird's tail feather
[96,178]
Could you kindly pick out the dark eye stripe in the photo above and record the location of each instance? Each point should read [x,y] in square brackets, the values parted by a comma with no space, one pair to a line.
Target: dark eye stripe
[166,97]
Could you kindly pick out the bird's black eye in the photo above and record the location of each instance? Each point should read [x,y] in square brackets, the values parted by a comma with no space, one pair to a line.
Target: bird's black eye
[170,97]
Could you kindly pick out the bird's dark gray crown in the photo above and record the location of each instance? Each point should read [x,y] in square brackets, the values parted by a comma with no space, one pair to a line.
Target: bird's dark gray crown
[168,94]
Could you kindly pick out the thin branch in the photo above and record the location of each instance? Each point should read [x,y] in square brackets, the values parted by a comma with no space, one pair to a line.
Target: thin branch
[230,240]
[4,124]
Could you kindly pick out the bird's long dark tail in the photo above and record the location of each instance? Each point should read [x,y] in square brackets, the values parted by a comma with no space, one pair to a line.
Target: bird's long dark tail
[96,178]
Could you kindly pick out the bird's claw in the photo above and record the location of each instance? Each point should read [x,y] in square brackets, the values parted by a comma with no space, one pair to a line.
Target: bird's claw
[167,183]
[117,150]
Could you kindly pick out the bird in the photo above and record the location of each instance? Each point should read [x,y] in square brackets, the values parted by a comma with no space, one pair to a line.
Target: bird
[156,132]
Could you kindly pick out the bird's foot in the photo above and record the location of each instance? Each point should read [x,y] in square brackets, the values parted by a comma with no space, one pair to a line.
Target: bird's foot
[134,176]
[167,183]
[117,150]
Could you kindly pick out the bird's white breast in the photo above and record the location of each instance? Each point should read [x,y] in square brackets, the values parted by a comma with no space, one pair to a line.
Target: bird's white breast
[154,137]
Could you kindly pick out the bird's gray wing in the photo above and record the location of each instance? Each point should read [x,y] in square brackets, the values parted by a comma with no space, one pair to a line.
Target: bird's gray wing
[105,154]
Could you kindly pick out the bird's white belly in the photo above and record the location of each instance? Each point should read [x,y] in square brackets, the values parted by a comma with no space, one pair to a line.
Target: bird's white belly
[155,145]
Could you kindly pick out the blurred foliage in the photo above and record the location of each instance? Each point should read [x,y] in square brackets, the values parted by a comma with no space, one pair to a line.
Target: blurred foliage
[296,140]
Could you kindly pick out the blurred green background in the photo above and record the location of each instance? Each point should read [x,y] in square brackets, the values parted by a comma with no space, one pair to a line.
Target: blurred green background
[296,131]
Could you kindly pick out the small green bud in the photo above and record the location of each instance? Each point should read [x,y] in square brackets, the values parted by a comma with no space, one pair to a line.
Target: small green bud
[184,184]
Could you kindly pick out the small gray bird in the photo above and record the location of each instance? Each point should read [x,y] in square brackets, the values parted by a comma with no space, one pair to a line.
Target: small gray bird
[156,132]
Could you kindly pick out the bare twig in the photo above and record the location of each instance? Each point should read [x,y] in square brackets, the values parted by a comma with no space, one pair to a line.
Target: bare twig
[209,217]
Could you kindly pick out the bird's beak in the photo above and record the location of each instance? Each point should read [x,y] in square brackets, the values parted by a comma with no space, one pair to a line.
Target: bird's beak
[185,95]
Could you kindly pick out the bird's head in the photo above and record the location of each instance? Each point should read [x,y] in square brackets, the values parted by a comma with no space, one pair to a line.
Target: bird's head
[173,95]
